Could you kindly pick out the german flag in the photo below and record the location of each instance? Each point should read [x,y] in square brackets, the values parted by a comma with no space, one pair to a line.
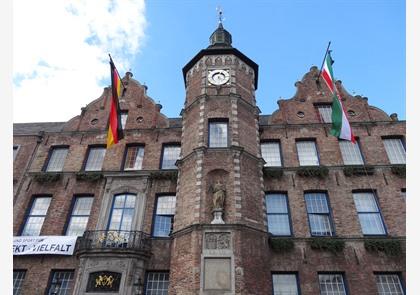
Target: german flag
[115,131]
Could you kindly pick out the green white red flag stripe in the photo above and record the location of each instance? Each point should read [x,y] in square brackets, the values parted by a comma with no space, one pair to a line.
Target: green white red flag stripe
[340,124]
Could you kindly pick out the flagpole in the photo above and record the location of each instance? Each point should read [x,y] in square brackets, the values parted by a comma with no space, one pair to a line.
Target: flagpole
[325,56]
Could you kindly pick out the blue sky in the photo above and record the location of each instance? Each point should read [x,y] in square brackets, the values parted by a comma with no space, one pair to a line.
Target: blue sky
[284,37]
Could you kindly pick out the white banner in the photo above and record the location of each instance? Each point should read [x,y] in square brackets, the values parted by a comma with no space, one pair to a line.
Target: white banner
[58,245]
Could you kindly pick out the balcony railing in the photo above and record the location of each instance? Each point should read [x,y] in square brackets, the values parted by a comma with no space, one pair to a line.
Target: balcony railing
[114,240]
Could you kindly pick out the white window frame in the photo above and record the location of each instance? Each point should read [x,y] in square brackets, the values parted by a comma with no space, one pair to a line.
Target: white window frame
[32,215]
[395,150]
[213,143]
[306,157]
[281,279]
[351,153]
[56,158]
[359,198]
[138,164]
[329,290]
[94,161]
[165,150]
[325,116]
[270,156]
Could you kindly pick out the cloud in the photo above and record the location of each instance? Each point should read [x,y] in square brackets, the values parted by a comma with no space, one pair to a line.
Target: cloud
[60,53]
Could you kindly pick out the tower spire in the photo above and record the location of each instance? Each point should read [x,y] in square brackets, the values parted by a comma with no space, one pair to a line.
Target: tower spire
[220,37]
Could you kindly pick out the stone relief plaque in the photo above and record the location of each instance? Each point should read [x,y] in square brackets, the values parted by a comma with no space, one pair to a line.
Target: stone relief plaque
[217,241]
[217,274]
[103,281]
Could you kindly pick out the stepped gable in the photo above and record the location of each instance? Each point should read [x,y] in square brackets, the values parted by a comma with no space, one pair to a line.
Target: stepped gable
[144,112]
[300,109]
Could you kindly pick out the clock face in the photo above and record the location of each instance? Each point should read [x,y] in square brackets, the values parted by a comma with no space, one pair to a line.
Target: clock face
[218,77]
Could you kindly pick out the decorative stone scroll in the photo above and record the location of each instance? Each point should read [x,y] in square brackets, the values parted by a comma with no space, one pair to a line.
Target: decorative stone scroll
[217,241]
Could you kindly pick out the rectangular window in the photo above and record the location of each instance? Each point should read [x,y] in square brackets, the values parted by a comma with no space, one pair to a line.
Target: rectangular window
[395,150]
[122,213]
[218,134]
[79,216]
[15,151]
[124,116]
[332,284]
[403,194]
[61,283]
[369,215]
[95,158]
[164,216]
[278,214]
[56,159]
[271,153]
[307,153]
[36,216]
[324,113]
[389,284]
[350,152]
[157,283]
[319,214]
[170,155]
[134,157]
[285,284]
[18,277]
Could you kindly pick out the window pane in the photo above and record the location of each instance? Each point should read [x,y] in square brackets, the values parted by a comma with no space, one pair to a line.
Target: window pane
[95,159]
[57,158]
[325,113]
[157,283]
[218,134]
[36,216]
[80,216]
[350,153]
[124,116]
[332,284]
[15,150]
[369,214]
[170,155]
[278,224]
[307,153]
[164,216]
[285,284]
[122,213]
[271,153]
[389,284]
[276,203]
[395,150]
[318,214]
[134,158]
[18,277]
[61,283]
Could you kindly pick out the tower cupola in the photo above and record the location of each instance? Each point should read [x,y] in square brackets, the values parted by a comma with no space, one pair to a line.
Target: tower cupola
[220,38]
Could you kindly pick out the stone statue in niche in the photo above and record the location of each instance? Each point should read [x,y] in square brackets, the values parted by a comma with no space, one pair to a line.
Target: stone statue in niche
[219,194]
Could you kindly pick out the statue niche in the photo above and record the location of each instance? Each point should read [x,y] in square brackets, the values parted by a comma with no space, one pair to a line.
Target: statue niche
[217,192]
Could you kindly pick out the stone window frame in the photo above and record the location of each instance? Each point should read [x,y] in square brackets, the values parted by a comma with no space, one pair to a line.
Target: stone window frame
[51,278]
[85,161]
[221,121]
[131,145]
[51,152]
[330,214]
[29,209]
[343,277]
[159,195]
[398,274]
[277,141]
[107,201]
[295,273]
[72,206]
[379,212]
[288,211]
[165,145]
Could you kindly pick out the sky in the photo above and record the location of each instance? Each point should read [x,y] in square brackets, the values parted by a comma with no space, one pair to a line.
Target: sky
[60,48]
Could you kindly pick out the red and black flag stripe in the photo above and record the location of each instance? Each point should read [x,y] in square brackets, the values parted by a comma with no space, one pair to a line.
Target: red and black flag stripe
[115,131]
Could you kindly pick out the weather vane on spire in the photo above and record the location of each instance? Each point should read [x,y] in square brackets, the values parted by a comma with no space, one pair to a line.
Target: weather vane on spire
[220,13]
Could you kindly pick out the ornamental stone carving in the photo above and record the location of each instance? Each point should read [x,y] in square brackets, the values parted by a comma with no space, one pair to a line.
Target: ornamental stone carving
[217,241]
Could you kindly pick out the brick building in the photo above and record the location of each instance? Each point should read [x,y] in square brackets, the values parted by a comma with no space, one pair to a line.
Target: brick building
[222,200]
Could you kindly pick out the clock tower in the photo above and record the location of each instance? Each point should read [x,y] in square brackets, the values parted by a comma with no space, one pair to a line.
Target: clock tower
[220,205]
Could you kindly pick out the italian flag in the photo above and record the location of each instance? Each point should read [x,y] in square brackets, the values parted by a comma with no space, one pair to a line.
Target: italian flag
[340,124]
